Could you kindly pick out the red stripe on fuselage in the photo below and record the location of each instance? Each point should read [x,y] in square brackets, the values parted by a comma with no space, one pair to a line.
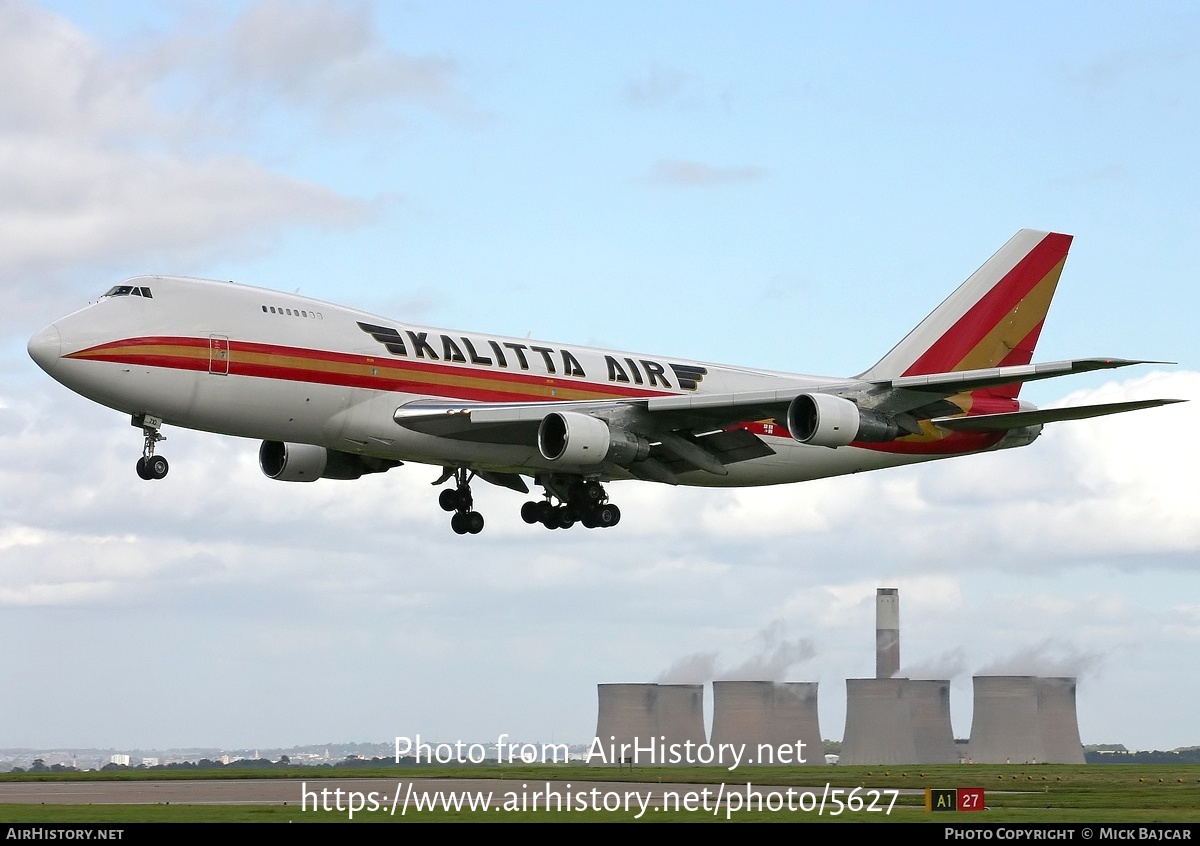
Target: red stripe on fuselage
[387,378]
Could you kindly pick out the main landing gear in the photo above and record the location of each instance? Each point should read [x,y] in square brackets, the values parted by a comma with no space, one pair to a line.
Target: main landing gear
[579,501]
[465,520]
[150,466]
[569,500]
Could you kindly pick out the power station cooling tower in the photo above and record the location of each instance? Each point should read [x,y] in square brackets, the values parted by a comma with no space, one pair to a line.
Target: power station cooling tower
[1006,724]
[879,725]
[887,632]
[627,711]
[933,735]
[649,714]
[768,714]
[679,713]
[1059,721]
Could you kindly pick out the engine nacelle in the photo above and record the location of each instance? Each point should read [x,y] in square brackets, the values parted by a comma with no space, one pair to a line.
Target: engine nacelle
[307,463]
[829,421]
[580,439]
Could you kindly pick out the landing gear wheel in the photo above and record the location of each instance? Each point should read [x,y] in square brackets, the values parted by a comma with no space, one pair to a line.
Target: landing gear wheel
[566,519]
[459,523]
[474,522]
[529,512]
[448,500]
[607,515]
[157,467]
[142,471]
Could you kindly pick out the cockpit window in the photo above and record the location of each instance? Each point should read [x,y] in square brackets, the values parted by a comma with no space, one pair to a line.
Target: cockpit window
[127,291]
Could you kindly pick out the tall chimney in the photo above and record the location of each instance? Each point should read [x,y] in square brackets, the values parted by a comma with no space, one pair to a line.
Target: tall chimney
[887,632]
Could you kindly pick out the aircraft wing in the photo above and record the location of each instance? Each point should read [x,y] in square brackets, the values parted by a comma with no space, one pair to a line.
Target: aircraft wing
[706,431]
[890,396]
[671,452]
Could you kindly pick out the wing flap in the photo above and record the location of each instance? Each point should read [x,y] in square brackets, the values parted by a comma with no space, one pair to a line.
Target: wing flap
[474,421]
[728,447]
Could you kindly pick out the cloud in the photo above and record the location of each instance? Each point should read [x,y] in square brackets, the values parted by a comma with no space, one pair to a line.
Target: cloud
[697,668]
[62,203]
[59,83]
[93,171]
[692,174]
[1048,658]
[329,54]
[657,87]
[1109,173]
[948,665]
[775,656]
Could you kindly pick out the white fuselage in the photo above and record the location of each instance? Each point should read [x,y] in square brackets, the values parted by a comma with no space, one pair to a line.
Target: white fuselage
[255,363]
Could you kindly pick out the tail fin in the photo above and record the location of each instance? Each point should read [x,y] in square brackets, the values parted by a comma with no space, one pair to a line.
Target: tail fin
[992,320]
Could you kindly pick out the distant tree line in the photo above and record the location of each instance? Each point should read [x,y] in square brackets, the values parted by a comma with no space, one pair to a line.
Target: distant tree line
[1179,756]
[284,762]
[39,766]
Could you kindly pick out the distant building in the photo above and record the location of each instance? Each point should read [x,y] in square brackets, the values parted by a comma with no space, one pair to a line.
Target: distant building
[898,721]
[769,714]
[1025,720]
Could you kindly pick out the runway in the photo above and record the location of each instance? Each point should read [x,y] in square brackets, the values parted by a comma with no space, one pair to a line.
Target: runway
[331,792]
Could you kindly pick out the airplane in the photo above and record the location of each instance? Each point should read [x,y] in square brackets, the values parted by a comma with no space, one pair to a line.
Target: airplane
[337,393]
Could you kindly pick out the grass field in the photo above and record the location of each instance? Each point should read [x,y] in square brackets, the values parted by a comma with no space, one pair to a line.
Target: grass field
[1042,793]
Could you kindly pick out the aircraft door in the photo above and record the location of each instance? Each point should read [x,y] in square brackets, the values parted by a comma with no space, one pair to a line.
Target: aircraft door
[218,354]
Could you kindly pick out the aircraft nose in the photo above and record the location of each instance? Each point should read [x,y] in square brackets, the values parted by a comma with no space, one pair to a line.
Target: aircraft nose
[45,348]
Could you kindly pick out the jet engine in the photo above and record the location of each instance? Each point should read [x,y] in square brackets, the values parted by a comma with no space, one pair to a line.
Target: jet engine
[307,463]
[826,420]
[580,439]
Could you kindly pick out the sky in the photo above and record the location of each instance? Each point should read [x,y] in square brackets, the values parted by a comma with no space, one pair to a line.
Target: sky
[776,185]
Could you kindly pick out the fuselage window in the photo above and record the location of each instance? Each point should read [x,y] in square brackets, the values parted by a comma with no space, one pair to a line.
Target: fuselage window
[264,308]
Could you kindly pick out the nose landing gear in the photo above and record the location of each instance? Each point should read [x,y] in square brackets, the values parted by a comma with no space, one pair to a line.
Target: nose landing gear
[150,466]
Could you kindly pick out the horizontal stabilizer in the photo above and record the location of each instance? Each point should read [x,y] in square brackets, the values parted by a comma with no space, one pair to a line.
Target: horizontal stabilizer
[963,380]
[1019,419]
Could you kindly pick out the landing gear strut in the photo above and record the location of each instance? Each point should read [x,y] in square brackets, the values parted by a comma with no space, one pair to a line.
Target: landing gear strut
[579,500]
[150,466]
[465,520]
